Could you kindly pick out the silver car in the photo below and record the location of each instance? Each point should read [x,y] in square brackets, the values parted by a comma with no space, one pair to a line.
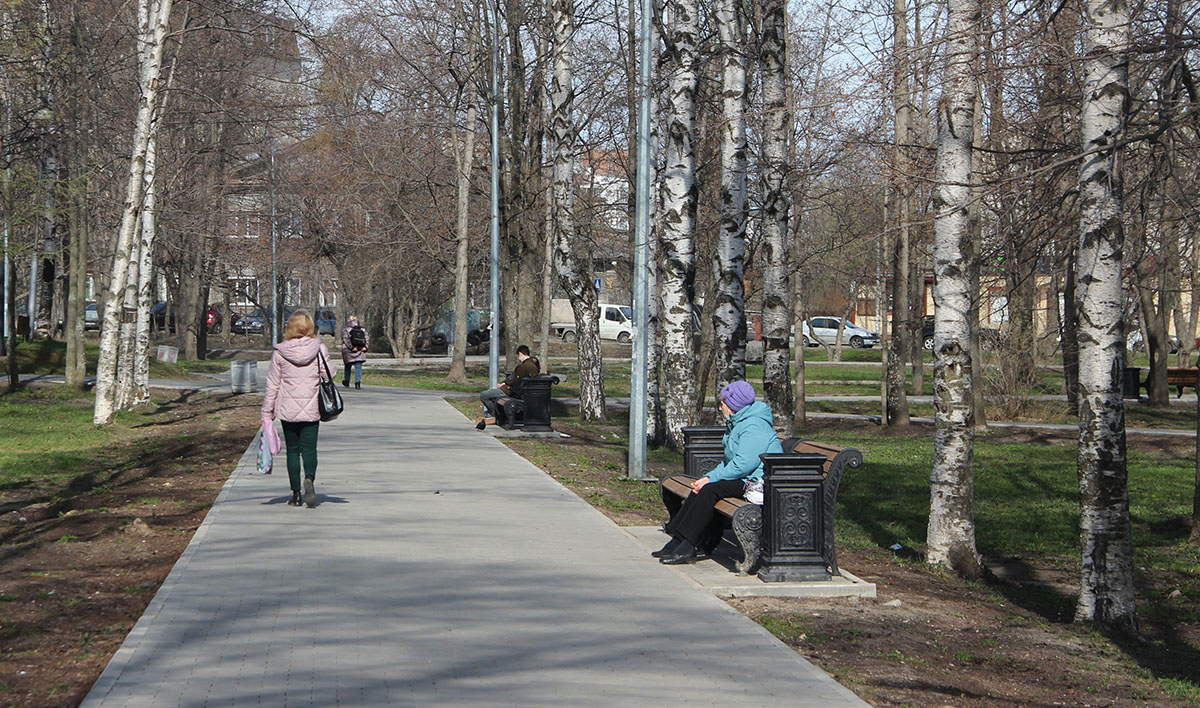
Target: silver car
[825,330]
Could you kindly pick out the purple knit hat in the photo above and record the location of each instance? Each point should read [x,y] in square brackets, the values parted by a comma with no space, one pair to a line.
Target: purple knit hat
[737,395]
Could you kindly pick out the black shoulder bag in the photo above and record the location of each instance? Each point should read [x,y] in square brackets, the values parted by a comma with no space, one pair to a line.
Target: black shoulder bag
[329,400]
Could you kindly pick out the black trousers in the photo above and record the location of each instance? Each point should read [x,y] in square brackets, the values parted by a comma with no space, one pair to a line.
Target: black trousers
[694,520]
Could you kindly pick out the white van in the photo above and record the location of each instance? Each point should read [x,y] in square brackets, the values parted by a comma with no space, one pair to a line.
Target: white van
[616,321]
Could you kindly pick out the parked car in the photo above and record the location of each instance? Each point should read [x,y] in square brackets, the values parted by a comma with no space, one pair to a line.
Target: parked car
[326,321]
[91,317]
[989,338]
[251,323]
[162,316]
[825,330]
[1135,343]
[436,338]
[214,319]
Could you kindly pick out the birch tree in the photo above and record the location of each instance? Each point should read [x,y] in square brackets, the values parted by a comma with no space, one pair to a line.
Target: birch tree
[729,313]
[571,274]
[1106,595]
[951,533]
[776,320]
[157,14]
[140,392]
[677,267]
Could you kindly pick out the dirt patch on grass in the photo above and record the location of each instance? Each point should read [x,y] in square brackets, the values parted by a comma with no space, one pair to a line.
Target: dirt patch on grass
[929,638]
[80,561]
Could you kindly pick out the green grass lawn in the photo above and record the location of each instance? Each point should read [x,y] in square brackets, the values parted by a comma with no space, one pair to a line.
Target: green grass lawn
[47,356]
[46,435]
[1027,496]
[1137,415]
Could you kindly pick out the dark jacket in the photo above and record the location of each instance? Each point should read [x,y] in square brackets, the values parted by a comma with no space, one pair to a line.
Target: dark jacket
[524,369]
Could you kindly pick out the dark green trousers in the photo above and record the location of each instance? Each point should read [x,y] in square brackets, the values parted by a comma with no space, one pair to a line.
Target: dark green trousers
[301,440]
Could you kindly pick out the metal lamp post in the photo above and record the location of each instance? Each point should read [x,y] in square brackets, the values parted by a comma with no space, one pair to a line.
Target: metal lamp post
[636,468]
[274,261]
[494,339]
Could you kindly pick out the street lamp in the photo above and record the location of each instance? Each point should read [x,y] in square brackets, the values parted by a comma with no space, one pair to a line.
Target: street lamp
[274,263]
[494,340]
[636,467]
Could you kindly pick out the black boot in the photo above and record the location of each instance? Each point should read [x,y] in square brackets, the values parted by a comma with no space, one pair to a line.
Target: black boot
[295,500]
[684,553]
[345,384]
[358,384]
[667,549]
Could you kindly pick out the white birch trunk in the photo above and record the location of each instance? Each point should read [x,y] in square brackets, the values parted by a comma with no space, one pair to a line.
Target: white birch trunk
[678,264]
[145,286]
[157,14]
[571,274]
[655,428]
[1106,595]
[776,319]
[729,313]
[951,534]
[125,362]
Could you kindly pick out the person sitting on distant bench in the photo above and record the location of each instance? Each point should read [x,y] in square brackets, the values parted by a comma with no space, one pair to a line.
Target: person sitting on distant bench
[526,366]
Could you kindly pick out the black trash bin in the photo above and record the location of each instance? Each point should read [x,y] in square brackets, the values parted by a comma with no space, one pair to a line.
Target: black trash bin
[1131,382]
[535,394]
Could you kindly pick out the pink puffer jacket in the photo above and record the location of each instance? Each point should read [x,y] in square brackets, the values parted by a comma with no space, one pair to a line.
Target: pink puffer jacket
[292,380]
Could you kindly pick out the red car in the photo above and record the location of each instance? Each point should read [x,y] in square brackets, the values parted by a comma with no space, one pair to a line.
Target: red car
[214,319]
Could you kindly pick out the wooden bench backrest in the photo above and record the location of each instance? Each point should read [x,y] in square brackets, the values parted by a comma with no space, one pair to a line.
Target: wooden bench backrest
[1181,375]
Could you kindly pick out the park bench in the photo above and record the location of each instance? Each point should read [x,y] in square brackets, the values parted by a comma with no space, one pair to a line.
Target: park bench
[528,406]
[1181,377]
[794,525]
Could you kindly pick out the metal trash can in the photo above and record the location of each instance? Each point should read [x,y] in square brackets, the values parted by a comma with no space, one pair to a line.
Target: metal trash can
[1131,381]
[243,375]
[535,394]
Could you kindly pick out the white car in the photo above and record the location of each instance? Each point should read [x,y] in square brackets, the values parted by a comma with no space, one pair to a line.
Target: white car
[825,329]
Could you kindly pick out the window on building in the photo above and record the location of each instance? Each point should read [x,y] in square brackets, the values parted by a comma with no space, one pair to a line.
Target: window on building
[243,291]
[998,311]
[327,296]
[292,292]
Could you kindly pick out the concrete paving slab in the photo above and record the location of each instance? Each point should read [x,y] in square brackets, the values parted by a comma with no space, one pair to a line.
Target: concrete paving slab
[718,573]
[438,569]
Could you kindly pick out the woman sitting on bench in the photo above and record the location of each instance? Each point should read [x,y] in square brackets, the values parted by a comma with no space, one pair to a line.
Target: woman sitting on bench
[749,432]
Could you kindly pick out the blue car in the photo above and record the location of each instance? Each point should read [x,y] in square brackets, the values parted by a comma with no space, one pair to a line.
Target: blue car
[326,321]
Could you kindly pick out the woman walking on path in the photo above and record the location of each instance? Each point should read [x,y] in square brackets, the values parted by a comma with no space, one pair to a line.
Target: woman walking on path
[749,432]
[292,383]
[355,341]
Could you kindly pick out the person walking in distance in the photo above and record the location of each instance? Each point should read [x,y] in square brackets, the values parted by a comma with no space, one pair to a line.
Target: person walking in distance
[355,341]
[291,396]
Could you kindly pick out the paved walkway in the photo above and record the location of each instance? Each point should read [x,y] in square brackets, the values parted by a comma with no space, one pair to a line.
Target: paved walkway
[439,569]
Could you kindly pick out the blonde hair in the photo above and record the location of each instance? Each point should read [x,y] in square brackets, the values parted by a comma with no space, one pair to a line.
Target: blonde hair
[300,324]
